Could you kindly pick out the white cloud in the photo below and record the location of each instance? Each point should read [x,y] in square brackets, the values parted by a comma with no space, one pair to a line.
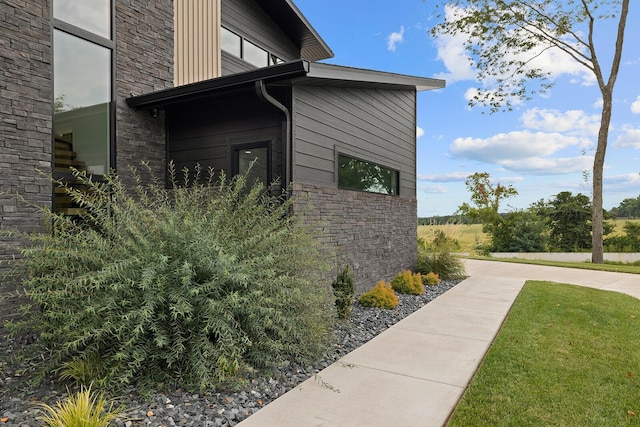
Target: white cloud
[525,152]
[451,52]
[419,132]
[549,166]
[635,106]
[446,177]
[460,66]
[434,189]
[598,103]
[629,139]
[575,122]
[628,178]
[517,145]
[394,39]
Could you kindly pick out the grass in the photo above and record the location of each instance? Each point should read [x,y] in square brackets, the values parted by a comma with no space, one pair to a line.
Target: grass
[565,356]
[84,409]
[469,235]
[613,267]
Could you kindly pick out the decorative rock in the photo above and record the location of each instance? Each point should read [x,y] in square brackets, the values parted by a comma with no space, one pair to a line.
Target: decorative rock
[213,409]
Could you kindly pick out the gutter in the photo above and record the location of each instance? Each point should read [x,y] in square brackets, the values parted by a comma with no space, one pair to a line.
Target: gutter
[262,93]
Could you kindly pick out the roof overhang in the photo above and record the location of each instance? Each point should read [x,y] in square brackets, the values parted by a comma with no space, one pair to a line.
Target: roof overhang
[296,73]
[289,18]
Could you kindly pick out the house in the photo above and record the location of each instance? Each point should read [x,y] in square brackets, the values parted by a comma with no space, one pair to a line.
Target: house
[104,84]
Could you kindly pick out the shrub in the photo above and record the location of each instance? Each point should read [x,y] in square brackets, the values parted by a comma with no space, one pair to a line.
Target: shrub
[343,290]
[445,264]
[183,286]
[431,279]
[407,283]
[381,296]
[84,409]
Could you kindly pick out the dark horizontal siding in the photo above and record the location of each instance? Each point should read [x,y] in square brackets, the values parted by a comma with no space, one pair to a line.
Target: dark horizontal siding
[205,133]
[375,125]
[231,64]
[247,18]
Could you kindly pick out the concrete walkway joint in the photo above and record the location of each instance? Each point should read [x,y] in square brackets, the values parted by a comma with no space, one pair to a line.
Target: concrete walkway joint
[414,373]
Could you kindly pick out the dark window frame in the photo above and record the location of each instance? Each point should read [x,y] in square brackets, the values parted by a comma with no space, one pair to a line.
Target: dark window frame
[272,58]
[237,148]
[394,191]
[110,44]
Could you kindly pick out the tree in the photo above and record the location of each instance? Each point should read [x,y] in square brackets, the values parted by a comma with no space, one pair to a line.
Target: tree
[569,220]
[519,231]
[503,37]
[486,198]
[628,208]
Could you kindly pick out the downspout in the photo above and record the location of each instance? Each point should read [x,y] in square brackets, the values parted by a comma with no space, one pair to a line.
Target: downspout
[287,147]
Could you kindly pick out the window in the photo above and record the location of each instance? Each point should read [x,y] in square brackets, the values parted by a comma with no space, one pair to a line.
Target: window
[83,108]
[231,42]
[91,15]
[258,157]
[252,53]
[355,174]
[82,90]
[82,86]
[255,55]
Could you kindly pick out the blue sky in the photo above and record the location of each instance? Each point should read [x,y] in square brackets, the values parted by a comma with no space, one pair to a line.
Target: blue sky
[541,148]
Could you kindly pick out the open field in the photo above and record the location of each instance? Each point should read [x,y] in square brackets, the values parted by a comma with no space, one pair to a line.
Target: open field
[470,235]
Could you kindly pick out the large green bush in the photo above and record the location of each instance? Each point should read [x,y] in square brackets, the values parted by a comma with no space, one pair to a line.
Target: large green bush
[187,286]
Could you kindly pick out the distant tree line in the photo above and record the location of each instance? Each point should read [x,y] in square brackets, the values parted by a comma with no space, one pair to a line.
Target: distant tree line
[560,224]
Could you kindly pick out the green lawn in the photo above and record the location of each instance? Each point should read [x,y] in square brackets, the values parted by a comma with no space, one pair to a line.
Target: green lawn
[566,356]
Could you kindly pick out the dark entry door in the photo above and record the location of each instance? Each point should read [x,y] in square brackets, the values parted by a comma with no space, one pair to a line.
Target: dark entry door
[254,160]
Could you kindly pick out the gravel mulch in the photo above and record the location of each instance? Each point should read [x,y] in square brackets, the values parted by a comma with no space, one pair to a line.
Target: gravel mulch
[208,409]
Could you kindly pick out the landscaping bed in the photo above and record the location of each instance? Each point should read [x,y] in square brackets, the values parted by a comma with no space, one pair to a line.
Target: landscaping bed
[212,408]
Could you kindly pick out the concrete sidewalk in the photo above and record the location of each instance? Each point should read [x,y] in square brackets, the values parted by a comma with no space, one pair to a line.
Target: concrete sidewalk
[414,373]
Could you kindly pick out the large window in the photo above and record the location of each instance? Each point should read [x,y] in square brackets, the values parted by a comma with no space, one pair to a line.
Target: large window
[250,52]
[356,174]
[82,85]
[83,121]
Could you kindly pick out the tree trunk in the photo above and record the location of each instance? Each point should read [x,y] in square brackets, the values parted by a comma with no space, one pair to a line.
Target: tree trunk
[597,214]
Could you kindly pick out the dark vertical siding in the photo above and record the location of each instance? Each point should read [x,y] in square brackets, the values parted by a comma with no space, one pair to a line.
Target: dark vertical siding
[205,133]
[246,18]
[374,125]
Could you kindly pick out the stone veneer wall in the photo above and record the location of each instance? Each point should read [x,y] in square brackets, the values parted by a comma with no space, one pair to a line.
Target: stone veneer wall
[26,93]
[374,233]
[144,63]
[144,49]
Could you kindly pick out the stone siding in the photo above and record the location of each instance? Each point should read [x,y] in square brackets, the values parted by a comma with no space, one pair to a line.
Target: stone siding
[144,48]
[25,125]
[375,234]
[144,63]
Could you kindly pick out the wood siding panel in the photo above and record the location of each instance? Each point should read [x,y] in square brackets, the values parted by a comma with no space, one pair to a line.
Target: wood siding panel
[246,18]
[374,125]
[196,39]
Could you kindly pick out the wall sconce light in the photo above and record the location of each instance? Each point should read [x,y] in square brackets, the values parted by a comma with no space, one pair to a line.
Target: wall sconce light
[154,113]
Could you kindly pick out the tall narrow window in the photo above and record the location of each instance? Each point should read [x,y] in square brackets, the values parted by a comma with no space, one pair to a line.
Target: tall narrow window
[83,121]
[356,174]
[82,90]
[91,15]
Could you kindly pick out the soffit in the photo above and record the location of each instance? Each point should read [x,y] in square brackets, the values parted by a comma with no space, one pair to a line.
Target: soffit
[289,18]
